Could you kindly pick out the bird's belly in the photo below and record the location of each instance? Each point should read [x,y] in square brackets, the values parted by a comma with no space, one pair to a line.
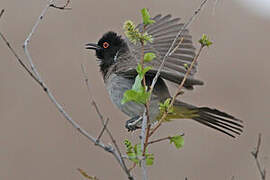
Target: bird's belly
[117,85]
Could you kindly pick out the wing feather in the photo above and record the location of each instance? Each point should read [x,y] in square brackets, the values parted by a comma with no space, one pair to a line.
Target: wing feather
[163,31]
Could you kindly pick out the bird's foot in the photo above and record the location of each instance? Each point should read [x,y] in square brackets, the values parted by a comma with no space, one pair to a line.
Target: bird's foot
[134,123]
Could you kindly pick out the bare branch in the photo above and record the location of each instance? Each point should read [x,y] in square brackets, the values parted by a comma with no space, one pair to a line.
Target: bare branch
[19,59]
[26,42]
[121,159]
[102,131]
[255,155]
[35,75]
[86,80]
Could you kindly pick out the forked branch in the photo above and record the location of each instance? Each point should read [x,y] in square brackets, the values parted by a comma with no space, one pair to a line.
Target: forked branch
[33,72]
[255,154]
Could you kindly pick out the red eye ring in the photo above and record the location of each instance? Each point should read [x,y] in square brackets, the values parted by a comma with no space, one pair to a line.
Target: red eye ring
[106,45]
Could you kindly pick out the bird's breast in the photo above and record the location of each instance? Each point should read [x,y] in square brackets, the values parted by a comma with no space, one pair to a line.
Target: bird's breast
[117,85]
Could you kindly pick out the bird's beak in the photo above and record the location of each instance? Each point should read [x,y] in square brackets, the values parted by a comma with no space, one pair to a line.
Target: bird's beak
[92,46]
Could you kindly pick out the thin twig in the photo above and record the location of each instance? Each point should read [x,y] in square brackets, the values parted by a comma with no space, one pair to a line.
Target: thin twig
[130,177]
[159,140]
[86,175]
[86,80]
[59,107]
[176,47]
[132,167]
[2,12]
[179,34]
[255,155]
[102,131]
[35,75]
[181,85]
[26,42]
[19,59]
[121,159]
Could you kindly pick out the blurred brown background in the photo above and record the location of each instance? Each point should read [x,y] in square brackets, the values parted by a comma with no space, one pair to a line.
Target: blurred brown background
[36,142]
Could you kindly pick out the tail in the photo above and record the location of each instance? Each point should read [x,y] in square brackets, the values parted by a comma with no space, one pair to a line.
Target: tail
[215,119]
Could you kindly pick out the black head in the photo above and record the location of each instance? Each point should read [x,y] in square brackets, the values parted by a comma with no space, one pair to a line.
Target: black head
[107,49]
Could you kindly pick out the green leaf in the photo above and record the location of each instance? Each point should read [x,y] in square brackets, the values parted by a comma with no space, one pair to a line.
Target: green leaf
[186,66]
[128,145]
[139,69]
[165,107]
[146,38]
[149,159]
[178,141]
[204,41]
[148,57]
[138,149]
[137,86]
[143,71]
[130,152]
[137,93]
[146,69]
[146,17]
[140,97]
[134,153]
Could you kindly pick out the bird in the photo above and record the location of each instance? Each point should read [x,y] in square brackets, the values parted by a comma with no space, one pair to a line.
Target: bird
[118,58]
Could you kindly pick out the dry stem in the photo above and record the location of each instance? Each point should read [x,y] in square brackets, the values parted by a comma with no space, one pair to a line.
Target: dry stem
[255,155]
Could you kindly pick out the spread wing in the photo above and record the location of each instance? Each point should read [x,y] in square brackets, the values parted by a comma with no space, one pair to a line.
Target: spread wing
[163,31]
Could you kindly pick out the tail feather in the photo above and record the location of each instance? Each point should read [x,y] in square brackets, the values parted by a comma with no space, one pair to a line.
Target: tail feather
[228,121]
[216,119]
[216,128]
[219,121]
[219,113]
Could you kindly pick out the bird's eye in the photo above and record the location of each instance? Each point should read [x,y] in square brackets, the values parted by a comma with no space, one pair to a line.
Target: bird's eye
[106,45]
